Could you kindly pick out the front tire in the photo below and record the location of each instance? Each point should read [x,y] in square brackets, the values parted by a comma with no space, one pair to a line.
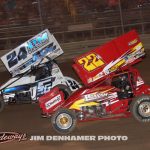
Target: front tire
[140,108]
[2,104]
[63,121]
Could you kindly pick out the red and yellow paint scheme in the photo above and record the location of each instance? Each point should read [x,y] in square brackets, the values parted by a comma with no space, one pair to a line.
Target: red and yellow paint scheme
[111,96]
[112,87]
[96,64]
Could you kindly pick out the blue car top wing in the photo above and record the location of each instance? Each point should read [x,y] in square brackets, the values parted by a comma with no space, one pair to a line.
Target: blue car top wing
[31,53]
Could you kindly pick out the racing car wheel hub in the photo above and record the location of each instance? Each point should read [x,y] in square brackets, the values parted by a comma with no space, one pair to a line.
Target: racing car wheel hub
[144,109]
[64,121]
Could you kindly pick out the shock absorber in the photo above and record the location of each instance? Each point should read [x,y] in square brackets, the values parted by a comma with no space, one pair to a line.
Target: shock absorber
[81,115]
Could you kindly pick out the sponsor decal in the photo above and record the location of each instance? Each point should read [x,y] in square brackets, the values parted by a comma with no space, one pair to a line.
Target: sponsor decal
[139,81]
[117,65]
[100,96]
[95,96]
[98,76]
[133,42]
[52,102]
[37,42]
[138,47]
[11,136]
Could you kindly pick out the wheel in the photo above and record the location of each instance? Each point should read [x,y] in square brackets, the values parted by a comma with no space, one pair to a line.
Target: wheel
[65,89]
[63,121]
[2,105]
[140,108]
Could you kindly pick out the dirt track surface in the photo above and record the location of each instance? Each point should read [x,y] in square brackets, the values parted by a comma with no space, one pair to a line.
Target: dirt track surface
[27,119]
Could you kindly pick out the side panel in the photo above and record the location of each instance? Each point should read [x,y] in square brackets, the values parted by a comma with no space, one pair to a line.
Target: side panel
[51,101]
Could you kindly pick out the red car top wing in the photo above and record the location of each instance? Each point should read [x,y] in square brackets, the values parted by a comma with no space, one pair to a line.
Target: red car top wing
[96,64]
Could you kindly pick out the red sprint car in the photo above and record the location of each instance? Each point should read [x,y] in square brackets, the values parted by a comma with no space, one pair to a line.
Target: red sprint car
[112,88]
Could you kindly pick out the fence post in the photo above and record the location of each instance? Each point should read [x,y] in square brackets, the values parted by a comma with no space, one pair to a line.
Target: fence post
[141,15]
[40,13]
[121,17]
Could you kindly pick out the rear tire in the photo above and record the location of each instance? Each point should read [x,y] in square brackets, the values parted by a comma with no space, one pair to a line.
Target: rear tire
[2,104]
[140,108]
[63,121]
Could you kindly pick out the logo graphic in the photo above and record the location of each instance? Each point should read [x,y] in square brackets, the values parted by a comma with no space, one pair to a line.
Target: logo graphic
[52,102]
[133,42]
[11,136]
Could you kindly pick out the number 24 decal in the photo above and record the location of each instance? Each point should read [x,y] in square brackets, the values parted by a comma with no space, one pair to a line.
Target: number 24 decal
[13,58]
[91,62]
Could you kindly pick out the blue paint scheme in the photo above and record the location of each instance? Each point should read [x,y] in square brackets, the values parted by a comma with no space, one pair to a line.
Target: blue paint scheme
[17,88]
[39,55]
[36,42]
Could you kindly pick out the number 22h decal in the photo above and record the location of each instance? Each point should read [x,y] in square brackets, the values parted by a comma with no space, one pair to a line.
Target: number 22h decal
[91,62]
